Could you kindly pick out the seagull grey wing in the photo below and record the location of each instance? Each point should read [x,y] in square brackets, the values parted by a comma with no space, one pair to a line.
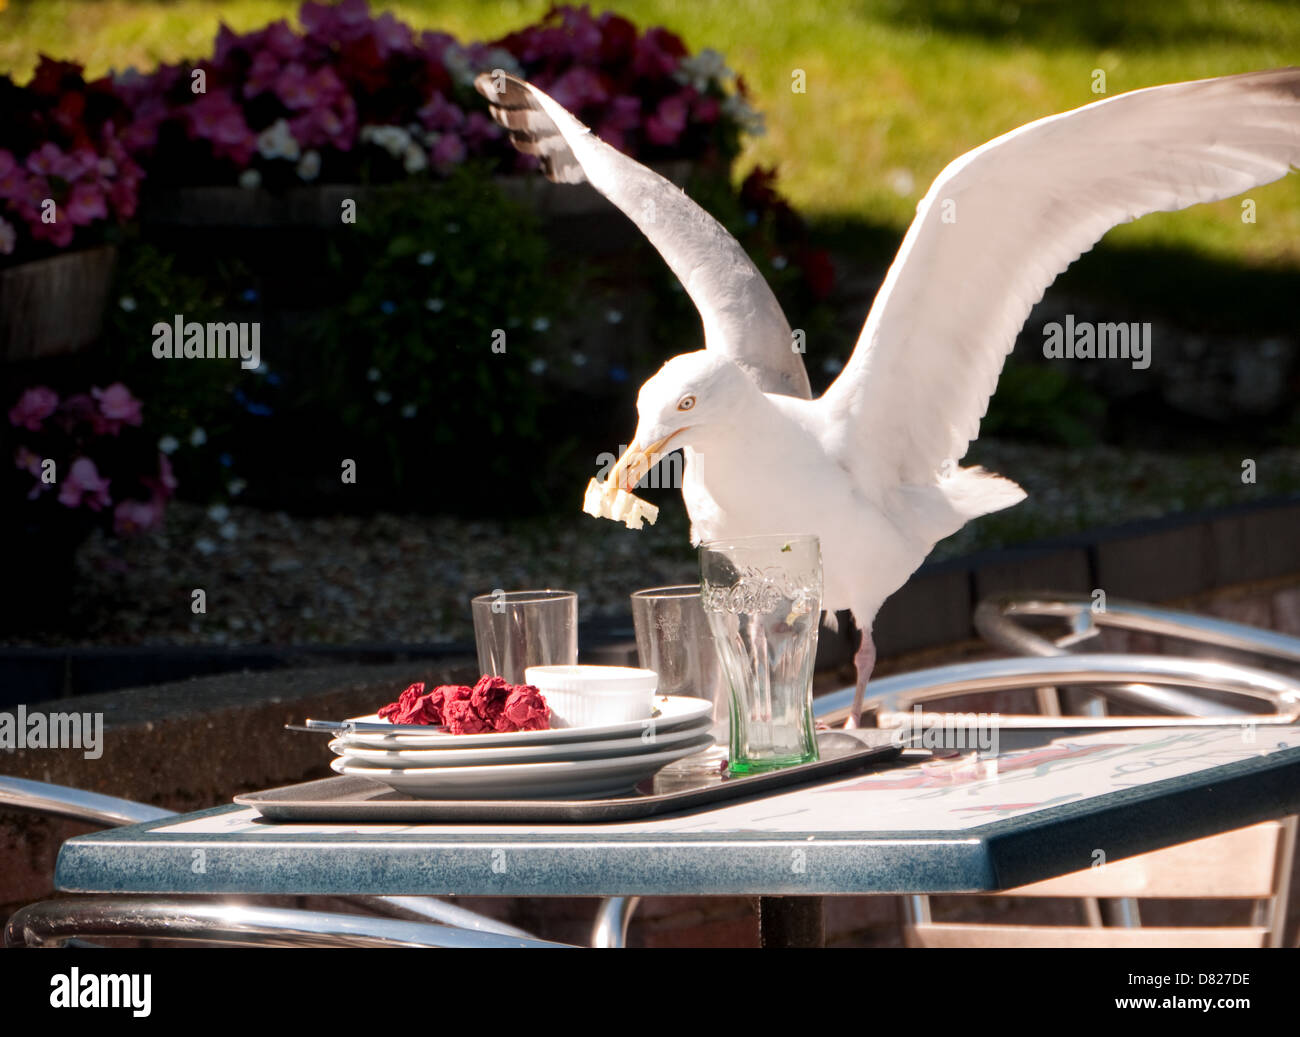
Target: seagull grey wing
[741,316]
[1002,221]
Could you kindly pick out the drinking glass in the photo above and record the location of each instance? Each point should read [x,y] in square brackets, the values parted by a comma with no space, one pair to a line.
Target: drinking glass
[517,629]
[673,639]
[762,596]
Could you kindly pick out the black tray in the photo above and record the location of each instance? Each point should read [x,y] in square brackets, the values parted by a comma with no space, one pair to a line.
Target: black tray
[351,799]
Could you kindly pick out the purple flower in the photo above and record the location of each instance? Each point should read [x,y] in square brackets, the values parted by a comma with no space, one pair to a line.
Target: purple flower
[668,121]
[86,204]
[392,36]
[440,114]
[48,160]
[118,405]
[448,152]
[33,407]
[217,118]
[165,484]
[84,486]
[579,87]
[13,178]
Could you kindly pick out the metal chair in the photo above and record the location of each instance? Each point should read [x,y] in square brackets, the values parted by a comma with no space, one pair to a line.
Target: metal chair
[56,923]
[414,921]
[1252,863]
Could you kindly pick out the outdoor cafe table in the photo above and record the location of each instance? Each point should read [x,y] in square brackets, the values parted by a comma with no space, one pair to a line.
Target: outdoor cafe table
[908,828]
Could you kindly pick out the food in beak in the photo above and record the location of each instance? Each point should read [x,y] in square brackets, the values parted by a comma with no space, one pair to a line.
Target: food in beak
[609,500]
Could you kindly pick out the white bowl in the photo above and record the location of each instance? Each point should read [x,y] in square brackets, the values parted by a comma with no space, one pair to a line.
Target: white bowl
[583,696]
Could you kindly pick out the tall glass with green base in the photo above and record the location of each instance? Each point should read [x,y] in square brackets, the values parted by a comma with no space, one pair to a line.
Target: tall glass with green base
[762,596]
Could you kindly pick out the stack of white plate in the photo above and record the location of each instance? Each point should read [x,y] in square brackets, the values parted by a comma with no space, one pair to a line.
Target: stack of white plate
[564,763]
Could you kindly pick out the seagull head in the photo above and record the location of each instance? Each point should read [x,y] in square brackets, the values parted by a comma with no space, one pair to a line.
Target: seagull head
[689,397]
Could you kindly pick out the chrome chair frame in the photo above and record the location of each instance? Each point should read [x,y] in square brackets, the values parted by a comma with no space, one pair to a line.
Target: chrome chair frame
[1085,615]
[112,811]
[56,923]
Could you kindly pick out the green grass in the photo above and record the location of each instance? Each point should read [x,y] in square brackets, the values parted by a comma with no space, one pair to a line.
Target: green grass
[894,89]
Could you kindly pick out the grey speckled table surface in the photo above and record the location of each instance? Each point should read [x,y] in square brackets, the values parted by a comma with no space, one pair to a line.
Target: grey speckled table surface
[912,827]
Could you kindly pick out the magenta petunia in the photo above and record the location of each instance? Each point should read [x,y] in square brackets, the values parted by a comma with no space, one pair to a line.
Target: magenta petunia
[668,122]
[33,407]
[117,404]
[448,152]
[83,485]
[86,204]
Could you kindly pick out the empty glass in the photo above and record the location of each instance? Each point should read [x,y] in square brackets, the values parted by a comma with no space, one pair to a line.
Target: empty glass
[762,596]
[517,629]
[673,639]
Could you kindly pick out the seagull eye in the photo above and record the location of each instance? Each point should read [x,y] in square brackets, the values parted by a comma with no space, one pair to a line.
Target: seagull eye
[686,402]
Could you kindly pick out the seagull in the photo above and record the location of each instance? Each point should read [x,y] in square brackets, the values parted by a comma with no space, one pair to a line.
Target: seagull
[871,466]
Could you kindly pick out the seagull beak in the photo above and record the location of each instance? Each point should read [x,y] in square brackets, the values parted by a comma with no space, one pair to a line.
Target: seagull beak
[637,460]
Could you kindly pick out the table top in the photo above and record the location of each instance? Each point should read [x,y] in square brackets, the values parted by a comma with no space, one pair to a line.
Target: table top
[916,826]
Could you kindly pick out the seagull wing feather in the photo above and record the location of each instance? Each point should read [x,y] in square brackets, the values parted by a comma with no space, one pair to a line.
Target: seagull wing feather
[741,316]
[1002,221]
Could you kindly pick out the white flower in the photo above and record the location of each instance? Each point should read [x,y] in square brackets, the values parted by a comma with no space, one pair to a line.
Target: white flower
[832,365]
[373,375]
[779,262]
[413,160]
[309,167]
[392,139]
[426,258]
[198,437]
[737,109]
[168,444]
[537,365]
[579,360]
[541,324]
[382,397]
[496,58]
[452,227]
[434,305]
[229,530]
[456,62]
[276,141]
[218,513]
[127,302]
[250,179]
[236,486]
[8,238]
[204,546]
[708,66]
[408,410]
[613,316]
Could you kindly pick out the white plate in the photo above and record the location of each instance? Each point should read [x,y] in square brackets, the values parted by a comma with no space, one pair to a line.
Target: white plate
[580,779]
[598,748]
[675,711]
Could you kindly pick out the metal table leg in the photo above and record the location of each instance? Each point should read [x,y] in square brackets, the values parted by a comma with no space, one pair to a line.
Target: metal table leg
[792,921]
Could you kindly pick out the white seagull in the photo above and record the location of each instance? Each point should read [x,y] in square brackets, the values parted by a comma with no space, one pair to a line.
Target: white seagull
[871,466]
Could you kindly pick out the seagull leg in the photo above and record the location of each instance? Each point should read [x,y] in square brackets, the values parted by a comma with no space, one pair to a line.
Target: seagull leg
[865,661]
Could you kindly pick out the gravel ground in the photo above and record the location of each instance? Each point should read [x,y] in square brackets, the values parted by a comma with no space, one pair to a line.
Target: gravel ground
[274,579]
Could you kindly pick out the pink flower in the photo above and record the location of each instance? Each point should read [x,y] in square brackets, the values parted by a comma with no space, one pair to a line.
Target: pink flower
[263,73]
[136,516]
[579,87]
[706,109]
[658,54]
[218,119]
[85,205]
[118,405]
[33,407]
[28,462]
[84,486]
[668,122]
[624,112]
[165,484]
[448,152]
[48,160]
[13,178]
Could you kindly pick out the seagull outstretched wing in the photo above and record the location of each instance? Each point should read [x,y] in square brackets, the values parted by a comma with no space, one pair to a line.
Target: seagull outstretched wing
[742,318]
[1002,221]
